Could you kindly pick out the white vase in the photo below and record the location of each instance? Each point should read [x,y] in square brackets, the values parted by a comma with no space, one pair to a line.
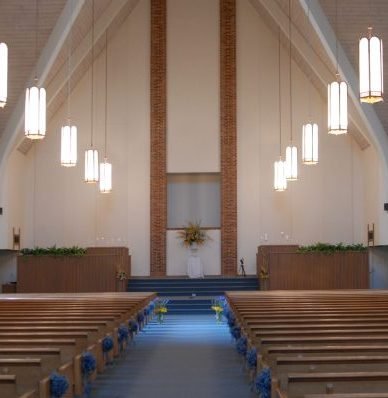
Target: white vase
[194,249]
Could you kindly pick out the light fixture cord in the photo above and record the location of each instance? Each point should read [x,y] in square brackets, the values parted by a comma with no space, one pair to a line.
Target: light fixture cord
[36,37]
[106,91]
[311,53]
[336,33]
[69,64]
[290,37]
[92,77]
[280,99]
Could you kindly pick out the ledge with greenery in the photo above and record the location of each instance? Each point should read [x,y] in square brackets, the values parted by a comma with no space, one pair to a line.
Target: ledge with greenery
[54,251]
[327,248]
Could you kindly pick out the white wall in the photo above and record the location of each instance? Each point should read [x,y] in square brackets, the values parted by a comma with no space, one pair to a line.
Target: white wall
[328,202]
[331,202]
[193,86]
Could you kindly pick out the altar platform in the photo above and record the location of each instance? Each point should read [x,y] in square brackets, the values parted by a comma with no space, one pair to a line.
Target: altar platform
[183,286]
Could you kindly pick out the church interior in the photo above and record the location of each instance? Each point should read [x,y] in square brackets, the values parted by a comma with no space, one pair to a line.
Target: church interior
[193,199]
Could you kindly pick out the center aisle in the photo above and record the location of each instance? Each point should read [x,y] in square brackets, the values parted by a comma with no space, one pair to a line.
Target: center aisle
[187,356]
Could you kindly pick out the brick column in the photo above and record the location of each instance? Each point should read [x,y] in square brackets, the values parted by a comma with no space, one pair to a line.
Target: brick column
[158,137]
[228,137]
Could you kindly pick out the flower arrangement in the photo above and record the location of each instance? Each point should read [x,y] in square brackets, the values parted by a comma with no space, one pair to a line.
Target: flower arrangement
[263,273]
[160,310]
[59,384]
[251,358]
[107,343]
[192,233]
[121,275]
[242,346]
[88,363]
[263,383]
[218,308]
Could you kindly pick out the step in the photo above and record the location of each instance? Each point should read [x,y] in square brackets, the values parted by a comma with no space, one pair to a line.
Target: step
[250,282]
[188,291]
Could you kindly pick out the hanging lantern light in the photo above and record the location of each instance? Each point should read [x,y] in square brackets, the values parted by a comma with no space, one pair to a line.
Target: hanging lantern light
[337,96]
[371,68]
[338,107]
[310,143]
[91,154]
[106,167]
[291,163]
[3,74]
[35,113]
[91,165]
[35,105]
[69,131]
[280,182]
[105,177]
[69,145]
[309,130]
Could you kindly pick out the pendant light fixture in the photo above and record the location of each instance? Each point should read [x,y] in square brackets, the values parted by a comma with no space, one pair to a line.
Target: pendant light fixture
[105,166]
[310,129]
[35,105]
[3,74]
[280,182]
[91,154]
[337,97]
[291,150]
[371,68]
[69,131]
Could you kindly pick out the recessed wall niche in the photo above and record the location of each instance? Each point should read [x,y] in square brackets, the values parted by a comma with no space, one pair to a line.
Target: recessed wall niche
[193,197]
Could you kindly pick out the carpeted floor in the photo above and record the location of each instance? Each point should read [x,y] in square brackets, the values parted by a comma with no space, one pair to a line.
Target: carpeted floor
[188,356]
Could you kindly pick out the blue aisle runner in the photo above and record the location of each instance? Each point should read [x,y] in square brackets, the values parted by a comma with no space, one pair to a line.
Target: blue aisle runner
[188,356]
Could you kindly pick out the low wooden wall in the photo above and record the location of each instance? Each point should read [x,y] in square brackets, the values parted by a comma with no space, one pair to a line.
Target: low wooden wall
[343,270]
[94,272]
[263,251]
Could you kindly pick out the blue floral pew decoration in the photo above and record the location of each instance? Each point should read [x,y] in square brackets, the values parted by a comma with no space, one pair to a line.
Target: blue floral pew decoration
[122,336]
[133,327]
[107,346]
[242,346]
[88,366]
[140,319]
[58,385]
[251,358]
[263,383]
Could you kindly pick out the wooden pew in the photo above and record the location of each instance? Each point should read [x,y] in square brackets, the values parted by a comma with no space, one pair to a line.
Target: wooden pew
[8,386]
[28,371]
[50,357]
[300,384]
[69,324]
[273,352]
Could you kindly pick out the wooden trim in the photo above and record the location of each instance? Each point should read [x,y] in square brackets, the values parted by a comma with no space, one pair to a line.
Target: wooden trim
[205,228]
[158,194]
[228,137]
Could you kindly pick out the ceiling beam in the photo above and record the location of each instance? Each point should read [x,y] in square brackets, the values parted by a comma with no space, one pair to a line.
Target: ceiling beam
[13,128]
[365,113]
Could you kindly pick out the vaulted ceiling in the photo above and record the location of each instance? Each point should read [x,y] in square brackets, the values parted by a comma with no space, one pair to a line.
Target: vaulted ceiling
[18,24]
[353,19]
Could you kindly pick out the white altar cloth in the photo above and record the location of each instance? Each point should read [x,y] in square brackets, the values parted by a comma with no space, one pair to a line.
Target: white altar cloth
[194,267]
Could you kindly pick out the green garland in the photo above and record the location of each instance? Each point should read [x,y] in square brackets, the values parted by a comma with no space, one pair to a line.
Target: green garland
[54,251]
[328,248]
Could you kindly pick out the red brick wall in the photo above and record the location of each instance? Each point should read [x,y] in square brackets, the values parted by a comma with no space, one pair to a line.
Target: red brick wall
[228,137]
[158,137]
